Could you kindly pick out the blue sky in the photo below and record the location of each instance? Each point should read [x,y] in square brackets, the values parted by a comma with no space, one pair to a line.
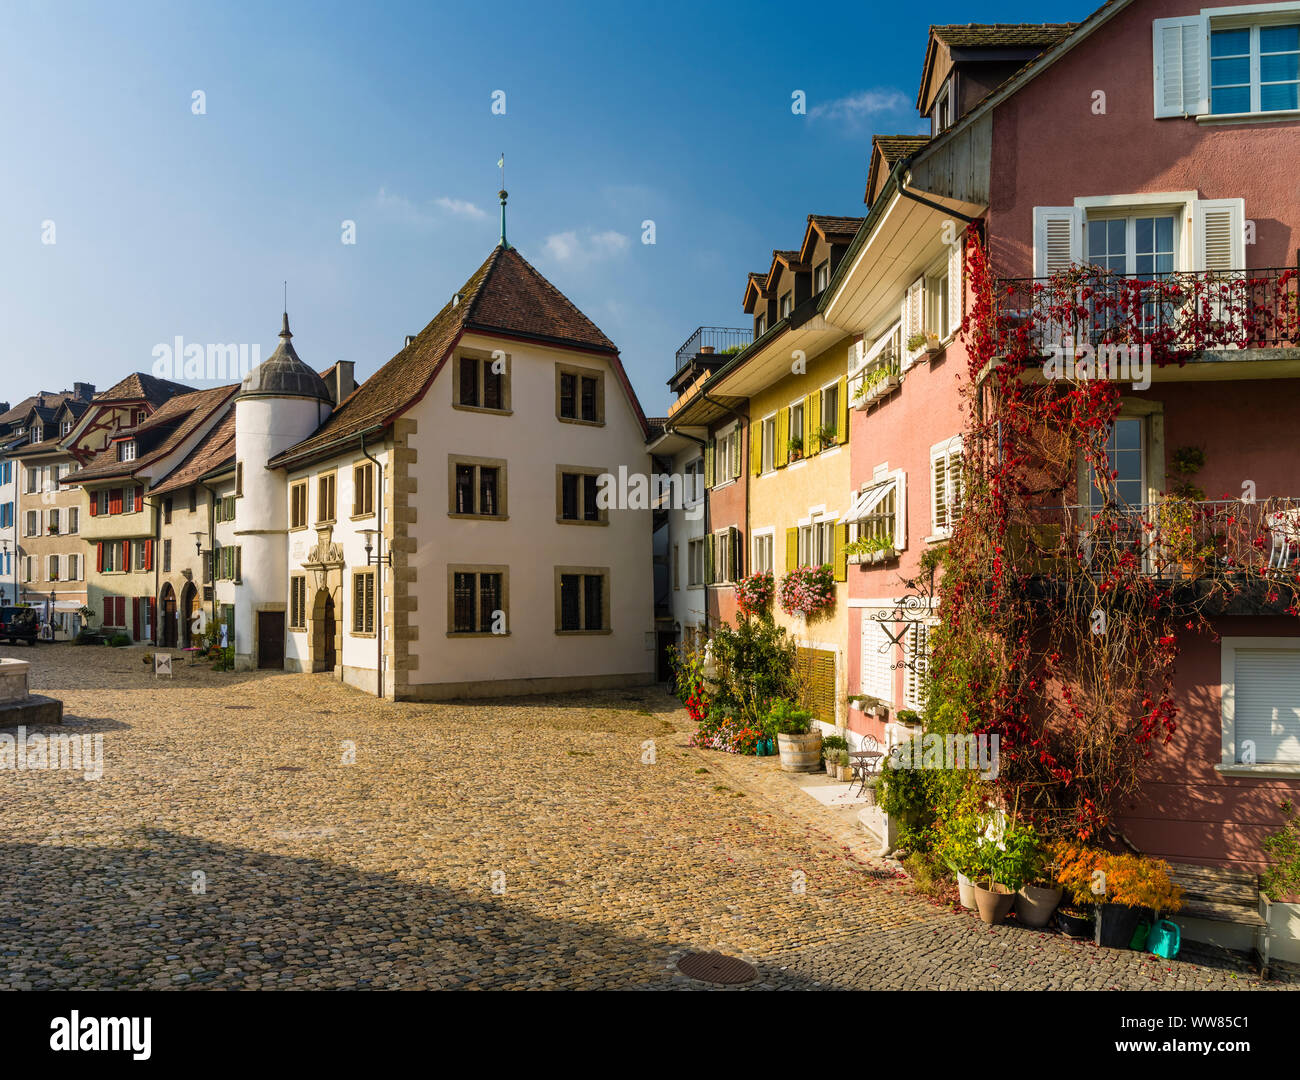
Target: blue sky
[169,223]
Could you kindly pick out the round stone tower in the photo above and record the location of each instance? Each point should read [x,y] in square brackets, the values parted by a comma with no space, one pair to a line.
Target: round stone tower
[280,403]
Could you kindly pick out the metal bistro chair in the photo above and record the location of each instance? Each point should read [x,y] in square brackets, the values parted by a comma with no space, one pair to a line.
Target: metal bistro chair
[1284,530]
[864,763]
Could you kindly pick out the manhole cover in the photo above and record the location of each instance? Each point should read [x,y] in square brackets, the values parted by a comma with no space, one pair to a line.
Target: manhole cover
[715,968]
[287,768]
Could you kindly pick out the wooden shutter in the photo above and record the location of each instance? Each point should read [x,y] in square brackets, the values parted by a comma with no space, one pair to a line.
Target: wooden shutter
[1181,78]
[115,500]
[708,559]
[1058,239]
[956,287]
[126,560]
[840,555]
[918,660]
[791,549]
[1219,234]
[735,452]
[708,464]
[842,412]
[939,490]
[736,554]
[913,317]
[781,449]
[755,447]
[94,503]
[148,554]
[139,499]
[135,618]
[108,611]
[99,557]
[239,564]
[812,422]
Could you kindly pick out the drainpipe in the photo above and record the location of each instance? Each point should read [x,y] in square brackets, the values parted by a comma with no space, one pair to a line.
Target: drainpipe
[902,190]
[379,566]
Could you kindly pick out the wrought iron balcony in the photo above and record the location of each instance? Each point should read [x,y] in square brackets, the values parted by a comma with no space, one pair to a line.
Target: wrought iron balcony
[713,340]
[1176,539]
[1177,312]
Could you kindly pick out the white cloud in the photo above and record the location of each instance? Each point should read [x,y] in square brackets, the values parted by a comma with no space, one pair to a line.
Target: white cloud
[400,208]
[864,105]
[461,208]
[580,249]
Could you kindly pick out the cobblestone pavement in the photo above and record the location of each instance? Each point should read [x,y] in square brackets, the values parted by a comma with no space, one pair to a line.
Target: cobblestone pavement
[232,842]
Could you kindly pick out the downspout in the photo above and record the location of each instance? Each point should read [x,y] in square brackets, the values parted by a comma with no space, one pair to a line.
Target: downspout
[902,190]
[379,569]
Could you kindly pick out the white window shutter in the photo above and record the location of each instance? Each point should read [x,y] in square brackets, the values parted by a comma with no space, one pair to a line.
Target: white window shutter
[939,492]
[900,512]
[1219,234]
[1180,76]
[1058,239]
[913,319]
[956,289]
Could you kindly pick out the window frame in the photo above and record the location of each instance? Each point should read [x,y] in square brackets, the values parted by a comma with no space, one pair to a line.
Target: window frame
[366,468]
[578,374]
[322,479]
[1228,765]
[477,464]
[581,471]
[477,570]
[946,450]
[298,600]
[295,488]
[361,626]
[764,539]
[484,358]
[583,572]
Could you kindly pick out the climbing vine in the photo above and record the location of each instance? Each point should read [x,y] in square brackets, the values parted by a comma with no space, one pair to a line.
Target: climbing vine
[1063,603]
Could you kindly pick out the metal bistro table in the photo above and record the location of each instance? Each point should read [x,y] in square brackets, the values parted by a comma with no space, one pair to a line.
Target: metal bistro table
[865,763]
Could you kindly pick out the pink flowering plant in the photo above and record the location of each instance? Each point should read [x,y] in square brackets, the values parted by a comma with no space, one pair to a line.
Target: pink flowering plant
[807,590]
[754,593]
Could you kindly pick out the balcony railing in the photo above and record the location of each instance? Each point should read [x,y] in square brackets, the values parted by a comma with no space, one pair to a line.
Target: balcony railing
[720,340]
[1176,312]
[1176,539]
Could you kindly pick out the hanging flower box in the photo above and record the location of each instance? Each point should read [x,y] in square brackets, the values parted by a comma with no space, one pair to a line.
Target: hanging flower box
[807,590]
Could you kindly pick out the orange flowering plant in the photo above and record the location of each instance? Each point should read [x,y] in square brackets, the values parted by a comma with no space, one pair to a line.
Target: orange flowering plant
[1091,876]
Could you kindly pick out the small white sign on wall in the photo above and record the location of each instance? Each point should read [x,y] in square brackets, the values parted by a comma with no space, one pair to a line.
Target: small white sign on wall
[162,665]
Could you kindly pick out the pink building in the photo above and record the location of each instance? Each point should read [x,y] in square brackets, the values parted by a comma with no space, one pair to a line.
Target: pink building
[1155,137]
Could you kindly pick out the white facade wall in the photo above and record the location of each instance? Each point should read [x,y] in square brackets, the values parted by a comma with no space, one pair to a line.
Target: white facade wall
[685,523]
[531,543]
[263,427]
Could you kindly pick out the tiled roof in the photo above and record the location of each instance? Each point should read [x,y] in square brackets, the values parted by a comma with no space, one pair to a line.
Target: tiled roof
[505,295]
[893,148]
[656,424]
[139,385]
[836,226]
[186,412]
[215,449]
[45,401]
[1002,35]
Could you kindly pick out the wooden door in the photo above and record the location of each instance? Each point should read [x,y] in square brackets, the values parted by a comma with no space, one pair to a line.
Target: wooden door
[270,639]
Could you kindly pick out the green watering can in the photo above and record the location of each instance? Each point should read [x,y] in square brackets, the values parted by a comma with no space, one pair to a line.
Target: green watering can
[1164,939]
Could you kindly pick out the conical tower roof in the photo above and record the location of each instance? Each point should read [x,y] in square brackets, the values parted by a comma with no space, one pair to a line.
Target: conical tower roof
[282,374]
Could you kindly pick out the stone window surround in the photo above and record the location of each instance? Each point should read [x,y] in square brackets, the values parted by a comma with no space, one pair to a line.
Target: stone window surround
[579,373]
[586,571]
[481,354]
[476,569]
[580,470]
[499,464]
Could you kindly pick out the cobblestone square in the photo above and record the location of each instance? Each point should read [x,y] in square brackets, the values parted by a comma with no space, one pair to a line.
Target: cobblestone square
[282,830]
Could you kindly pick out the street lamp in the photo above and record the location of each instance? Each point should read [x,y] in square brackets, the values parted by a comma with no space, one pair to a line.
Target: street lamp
[371,558]
[198,542]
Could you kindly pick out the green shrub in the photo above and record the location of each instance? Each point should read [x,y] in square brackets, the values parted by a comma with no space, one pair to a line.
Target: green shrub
[833,743]
[786,718]
[118,640]
[1281,880]
[755,665]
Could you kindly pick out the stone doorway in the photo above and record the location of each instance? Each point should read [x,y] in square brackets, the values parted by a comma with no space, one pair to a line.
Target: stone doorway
[324,632]
[167,611]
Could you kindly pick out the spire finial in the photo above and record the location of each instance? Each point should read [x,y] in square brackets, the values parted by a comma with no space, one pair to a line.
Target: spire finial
[284,328]
[501,164]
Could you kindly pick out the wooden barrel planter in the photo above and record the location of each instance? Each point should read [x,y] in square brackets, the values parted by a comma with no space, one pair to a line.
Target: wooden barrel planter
[800,753]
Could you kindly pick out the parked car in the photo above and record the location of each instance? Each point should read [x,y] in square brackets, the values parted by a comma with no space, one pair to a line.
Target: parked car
[18,624]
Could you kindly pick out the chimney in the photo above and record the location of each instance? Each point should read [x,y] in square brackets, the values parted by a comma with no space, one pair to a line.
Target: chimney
[84,391]
[344,381]
[4,406]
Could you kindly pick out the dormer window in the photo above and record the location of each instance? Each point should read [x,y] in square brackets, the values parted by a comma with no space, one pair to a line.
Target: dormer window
[65,428]
[941,115]
[126,450]
[38,433]
[785,305]
[760,326]
[138,417]
[822,275]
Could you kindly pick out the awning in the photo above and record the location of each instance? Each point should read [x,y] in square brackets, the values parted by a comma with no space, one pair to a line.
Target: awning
[865,502]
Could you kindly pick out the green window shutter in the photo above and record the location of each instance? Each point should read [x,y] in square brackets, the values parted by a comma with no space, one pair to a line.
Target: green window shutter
[708,559]
[708,464]
[842,417]
[781,452]
[733,539]
[840,555]
[791,549]
[735,452]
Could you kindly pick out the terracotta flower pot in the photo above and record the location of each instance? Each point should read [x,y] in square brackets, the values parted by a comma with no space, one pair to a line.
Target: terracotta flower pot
[995,903]
[1035,906]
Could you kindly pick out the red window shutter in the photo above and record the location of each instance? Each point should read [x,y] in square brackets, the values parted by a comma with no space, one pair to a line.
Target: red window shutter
[148,554]
[126,563]
[115,500]
[135,618]
[94,504]
[152,608]
[99,557]
[108,611]
[139,499]
[121,611]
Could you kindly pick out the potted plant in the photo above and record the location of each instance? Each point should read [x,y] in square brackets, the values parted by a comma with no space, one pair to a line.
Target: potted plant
[958,848]
[909,718]
[1176,524]
[831,747]
[798,739]
[1137,889]
[845,769]
[1076,869]
[993,895]
[1037,897]
[828,435]
[796,447]
[923,339]
[869,784]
